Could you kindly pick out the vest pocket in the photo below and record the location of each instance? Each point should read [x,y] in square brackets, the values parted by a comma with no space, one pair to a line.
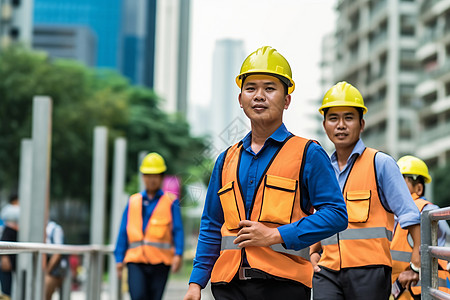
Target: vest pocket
[229,206]
[358,204]
[278,199]
[159,227]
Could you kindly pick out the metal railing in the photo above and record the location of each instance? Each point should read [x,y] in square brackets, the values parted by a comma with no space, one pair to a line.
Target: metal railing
[92,257]
[430,253]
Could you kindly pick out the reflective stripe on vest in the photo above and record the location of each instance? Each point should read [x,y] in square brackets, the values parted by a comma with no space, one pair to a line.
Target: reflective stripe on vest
[279,183]
[403,256]
[227,244]
[148,243]
[367,239]
[359,234]
[154,245]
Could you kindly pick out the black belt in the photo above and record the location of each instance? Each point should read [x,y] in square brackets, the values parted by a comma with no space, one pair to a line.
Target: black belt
[246,273]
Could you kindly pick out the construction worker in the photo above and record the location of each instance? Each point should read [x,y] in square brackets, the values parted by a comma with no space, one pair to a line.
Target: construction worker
[416,175]
[151,238]
[356,263]
[257,221]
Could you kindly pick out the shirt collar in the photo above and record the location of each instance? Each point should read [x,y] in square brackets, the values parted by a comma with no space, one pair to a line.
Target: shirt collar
[279,136]
[357,150]
[158,194]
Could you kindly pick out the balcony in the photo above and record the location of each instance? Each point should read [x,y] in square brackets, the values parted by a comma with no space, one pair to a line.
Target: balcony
[427,4]
[441,131]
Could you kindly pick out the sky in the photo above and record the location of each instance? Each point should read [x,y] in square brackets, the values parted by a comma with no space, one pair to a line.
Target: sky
[294,27]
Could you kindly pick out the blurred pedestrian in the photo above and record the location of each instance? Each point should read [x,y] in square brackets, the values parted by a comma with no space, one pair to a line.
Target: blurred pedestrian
[356,263]
[57,264]
[151,238]
[257,223]
[10,215]
[415,173]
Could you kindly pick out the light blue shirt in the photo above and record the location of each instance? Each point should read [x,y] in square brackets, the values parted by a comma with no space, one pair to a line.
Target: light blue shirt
[394,193]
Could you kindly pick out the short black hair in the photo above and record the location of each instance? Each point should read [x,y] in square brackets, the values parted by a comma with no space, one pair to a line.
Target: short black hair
[415,180]
[359,109]
[13,197]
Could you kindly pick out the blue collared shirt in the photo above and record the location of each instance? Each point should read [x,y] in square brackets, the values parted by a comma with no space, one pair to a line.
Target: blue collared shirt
[394,193]
[148,206]
[319,190]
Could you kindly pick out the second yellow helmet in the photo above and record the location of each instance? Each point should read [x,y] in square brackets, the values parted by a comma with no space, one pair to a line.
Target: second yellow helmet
[153,163]
[343,94]
[411,165]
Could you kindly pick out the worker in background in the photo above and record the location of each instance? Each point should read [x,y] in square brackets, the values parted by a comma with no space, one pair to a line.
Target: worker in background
[356,263]
[151,237]
[257,221]
[10,215]
[57,265]
[416,175]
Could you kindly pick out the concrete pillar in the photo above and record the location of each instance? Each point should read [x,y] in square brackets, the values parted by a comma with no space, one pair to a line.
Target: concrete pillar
[99,174]
[118,204]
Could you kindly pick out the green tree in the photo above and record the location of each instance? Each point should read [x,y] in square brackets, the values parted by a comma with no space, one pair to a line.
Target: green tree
[82,99]
[441,181]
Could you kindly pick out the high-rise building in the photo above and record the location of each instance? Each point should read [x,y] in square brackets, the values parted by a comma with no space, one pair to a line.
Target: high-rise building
[102,16]
[228,123]
[433,88]
[171,54]
[16,19]
[137,42]
[375,51]
[70,42]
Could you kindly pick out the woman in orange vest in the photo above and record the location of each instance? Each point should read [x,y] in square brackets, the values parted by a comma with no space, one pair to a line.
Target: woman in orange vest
[415,172]
[151,238]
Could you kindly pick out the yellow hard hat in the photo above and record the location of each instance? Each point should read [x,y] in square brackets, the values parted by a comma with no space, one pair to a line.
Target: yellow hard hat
[267,60]
[343,94]
[411,165]
[153,163]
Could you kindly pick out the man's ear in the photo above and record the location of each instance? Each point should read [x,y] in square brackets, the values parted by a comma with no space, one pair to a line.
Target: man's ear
[239,98]
[363,124]
[287,101]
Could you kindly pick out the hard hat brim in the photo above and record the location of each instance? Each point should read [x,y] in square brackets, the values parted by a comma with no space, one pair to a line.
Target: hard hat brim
[340,104]
[291,88]
[144,170]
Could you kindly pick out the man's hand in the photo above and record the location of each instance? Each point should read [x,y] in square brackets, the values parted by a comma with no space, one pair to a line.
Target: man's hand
[176,263]
[119,268]
[256,234]
[314,258]
[408,278]
[194,292]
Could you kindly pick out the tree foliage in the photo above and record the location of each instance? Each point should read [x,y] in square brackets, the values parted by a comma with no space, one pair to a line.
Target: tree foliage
[82,99]
[441,181]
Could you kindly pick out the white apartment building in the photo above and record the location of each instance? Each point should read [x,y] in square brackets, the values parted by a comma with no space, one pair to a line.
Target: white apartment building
[433,88]
[375,51]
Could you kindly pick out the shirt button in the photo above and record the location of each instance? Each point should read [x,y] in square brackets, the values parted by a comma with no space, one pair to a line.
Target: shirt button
[255,157]
[251,181]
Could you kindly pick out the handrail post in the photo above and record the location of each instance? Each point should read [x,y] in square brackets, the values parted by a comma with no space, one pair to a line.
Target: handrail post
[425,236]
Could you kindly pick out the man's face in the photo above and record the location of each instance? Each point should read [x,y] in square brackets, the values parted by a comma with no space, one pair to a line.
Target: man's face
[343,126]
[263,99]
[152,182]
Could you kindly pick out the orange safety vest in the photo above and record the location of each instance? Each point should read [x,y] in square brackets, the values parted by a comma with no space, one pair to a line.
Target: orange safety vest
[366,241]
[401,250]
[276,202]
[155,245]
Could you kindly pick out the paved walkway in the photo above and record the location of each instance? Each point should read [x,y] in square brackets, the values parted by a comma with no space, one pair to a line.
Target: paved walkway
[175,290]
